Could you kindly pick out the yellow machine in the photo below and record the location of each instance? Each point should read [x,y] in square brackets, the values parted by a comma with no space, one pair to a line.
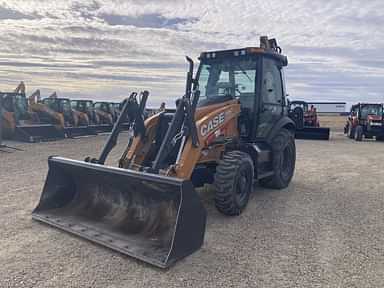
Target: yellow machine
[71,122]
[105,112]
[20,122]
[230,129]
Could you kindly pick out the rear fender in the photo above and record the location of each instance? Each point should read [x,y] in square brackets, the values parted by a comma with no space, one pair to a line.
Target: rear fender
[286,123]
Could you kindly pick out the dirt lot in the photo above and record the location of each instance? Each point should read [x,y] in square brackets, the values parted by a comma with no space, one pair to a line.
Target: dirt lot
[335,122]
[325,230]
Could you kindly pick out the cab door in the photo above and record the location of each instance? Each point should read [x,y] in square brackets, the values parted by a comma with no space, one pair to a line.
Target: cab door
[272,98]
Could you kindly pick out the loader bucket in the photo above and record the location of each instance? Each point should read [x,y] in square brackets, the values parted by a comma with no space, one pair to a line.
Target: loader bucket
[79,131]
[313,133]
[37,132]
[101,128]
[153,218]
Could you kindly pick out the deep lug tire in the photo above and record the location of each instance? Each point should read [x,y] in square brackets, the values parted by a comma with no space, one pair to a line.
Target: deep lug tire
[283,161]
[351,132]
[233,182]
[359,133]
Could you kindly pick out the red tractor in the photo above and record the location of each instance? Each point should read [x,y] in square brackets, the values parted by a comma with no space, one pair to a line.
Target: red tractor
[310,114]
[365,120]
[307,122]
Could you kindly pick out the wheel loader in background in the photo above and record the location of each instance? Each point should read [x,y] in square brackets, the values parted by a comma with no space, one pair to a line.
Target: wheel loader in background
[86,110]
[365,120]
[73,123]
[105,111]
[106,114]
[20,123]
[230,128]
[307,122]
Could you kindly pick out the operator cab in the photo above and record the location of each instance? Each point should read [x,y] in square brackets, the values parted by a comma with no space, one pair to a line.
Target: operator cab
[16,103]
[103,106]
[254,76]
[371,109]
[60,105]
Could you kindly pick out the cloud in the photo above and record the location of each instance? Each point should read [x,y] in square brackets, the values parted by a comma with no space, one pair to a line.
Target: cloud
[145,20]
[105,49]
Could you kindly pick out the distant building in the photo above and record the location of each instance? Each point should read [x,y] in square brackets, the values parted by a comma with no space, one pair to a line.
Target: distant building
[329,107]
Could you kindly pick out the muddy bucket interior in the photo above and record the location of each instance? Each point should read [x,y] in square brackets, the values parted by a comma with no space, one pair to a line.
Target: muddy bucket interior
[153,218]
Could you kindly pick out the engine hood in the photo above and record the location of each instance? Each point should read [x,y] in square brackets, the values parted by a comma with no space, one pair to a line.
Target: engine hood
[374,118]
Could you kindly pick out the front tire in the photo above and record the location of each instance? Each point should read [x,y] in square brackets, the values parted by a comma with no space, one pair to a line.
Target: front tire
[351,132]
[283,161]
[359,133]
[233,182]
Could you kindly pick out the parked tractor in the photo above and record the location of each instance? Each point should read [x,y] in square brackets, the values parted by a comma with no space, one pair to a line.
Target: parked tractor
[366,120]
[71,121]
[307,122]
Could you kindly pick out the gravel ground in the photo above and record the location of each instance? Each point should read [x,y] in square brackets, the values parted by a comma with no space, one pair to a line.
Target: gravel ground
[325,230]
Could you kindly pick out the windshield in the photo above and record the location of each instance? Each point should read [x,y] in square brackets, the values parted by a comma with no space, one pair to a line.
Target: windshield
[101,106]
[230,78]
[66,106]
[51,103]
[21,107]
[371,110]
[21,104]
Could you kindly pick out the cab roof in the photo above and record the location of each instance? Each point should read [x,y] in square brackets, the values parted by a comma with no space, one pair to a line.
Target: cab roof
[268,47]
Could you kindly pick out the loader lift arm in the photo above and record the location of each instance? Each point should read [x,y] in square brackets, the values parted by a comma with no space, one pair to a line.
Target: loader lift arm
[183,123]
[134,112]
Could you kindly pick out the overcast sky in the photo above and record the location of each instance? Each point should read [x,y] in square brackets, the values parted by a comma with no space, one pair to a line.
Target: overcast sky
[106,49]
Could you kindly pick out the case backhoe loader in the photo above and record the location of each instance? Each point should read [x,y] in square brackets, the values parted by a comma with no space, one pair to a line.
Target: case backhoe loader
[73,123]
[105,112]
[230,129]
[20,122]
[86,110]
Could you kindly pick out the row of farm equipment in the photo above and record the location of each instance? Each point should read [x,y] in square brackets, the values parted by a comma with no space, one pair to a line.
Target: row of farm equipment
[33,119]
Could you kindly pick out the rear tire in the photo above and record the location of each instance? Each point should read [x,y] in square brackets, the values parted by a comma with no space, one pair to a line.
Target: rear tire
[283,161]
[233,182]
[380,138]
[359,133]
